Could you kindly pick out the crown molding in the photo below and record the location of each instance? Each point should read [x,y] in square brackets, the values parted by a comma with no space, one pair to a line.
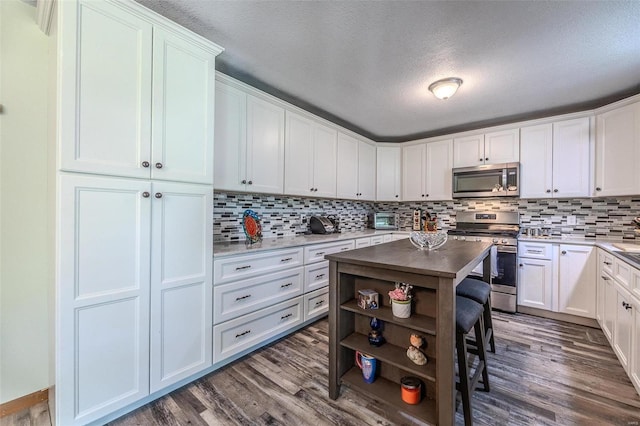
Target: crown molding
[44,14]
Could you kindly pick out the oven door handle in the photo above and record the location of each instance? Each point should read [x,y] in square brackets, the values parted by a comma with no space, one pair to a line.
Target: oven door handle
[507,249]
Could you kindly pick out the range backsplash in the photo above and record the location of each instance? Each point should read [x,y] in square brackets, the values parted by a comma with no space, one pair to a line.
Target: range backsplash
[287,216]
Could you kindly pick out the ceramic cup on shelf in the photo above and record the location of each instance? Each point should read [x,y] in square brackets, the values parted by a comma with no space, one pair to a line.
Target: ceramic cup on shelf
[401,308]
[368,365]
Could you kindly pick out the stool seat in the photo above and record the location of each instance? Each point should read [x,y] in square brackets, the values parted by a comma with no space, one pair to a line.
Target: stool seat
[467,314]
[476,290]
[479,291]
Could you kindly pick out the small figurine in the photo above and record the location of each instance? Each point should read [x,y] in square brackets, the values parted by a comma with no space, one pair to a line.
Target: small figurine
[413,352]
[375,335]
[416,355]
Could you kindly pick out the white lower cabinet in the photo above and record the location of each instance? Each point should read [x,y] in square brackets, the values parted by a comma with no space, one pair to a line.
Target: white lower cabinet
[634,366]
[609,304]
[535,283]
[363,242]
[316,303]
[559,278]
[316,276]
[134,285]
[242,333]
[622,333]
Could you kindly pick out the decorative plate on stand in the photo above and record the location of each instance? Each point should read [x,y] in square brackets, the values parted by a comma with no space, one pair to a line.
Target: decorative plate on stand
[251,226]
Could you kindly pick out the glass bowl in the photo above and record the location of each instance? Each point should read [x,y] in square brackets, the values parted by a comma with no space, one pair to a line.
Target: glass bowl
[428,240]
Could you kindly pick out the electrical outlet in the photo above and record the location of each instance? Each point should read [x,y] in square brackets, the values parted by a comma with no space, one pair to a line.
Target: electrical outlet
[571,220]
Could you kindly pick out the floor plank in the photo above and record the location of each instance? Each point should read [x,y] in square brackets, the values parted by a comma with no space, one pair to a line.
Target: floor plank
[544,372]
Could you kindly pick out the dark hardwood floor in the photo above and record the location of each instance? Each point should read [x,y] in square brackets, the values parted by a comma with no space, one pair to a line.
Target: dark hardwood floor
[544,372]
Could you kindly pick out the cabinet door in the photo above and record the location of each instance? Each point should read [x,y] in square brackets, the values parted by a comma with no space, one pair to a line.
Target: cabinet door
[576,280]
[347,169]
[536,161]
[502,147]
[622,334]
[324,161]
[183,109]
[535,283]
[413,174]
[468,151]
[634,366]
[298,176]
[439,161]
[571,148]
[105,109]
[181,282]
[102,342]
[366,171]
[265,146]
[618,151]
[388,173]
[230,153]
[610,305]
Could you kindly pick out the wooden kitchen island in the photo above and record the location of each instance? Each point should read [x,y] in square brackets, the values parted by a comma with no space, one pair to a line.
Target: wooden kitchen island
[434,276]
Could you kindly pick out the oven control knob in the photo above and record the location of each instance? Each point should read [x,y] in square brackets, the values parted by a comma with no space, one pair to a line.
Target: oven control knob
[495,240]
[504,241]
[478,239]
[463,238]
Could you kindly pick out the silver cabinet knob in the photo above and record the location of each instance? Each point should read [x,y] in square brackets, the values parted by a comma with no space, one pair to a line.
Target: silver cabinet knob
[396,195]
[244,181]
[250,182]
[598,189]
[145,164]
[564,252]
[158,165]
[145,194]
[548,191]
[555,190]
[158,195]
[486,159]
[479,159]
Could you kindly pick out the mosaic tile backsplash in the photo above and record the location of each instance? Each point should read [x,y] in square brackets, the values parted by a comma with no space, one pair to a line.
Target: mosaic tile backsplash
[287,216]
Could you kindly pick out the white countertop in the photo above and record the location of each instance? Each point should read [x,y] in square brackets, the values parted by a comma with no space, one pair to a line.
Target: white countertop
[239,247]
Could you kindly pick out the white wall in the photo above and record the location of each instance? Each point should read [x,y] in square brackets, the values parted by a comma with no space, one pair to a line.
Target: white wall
[25,249]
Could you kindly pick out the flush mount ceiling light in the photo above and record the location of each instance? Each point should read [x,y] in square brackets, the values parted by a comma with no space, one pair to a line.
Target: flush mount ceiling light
[445,88]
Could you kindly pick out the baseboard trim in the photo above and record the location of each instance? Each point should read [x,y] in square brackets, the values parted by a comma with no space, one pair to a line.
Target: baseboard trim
[588,322]
[23,402]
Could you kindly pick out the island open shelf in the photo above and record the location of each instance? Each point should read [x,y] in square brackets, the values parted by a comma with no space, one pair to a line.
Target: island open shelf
[433,275]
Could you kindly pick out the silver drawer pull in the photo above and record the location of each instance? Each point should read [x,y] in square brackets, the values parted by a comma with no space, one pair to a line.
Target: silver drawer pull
[605,278]
[246,296]
[286,285]
[286,259]
[344,249]
[286,316]
[607,263]
[320,253]
[319,276]
[535,251]
[240,268]
[243,333]
[319,303]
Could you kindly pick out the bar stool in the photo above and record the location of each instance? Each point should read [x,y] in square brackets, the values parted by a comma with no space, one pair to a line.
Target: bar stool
[480,292]
[468,316]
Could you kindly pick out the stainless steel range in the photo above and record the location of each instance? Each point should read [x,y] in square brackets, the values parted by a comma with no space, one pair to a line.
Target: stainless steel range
[501,229]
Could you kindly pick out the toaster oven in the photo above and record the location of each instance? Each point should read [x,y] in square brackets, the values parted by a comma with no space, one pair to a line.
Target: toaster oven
[383,220]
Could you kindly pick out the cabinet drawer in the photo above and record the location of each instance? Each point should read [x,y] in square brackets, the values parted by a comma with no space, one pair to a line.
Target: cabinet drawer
[316,303]
[622,272]
[363,242]
[606,262]
[244,266]
[378,239]
[387,238]
[316,276]
[242,297]
[535,250]
[242,333]
[317,253]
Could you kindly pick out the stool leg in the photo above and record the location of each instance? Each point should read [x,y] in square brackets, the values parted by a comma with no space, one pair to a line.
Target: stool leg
[488,324]
[463,372]
[482,352]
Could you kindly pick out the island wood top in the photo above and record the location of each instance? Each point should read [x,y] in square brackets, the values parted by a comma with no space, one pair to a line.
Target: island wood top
[455,259]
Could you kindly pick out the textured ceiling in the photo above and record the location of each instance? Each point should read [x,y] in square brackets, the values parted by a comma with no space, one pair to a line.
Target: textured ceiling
[367,64]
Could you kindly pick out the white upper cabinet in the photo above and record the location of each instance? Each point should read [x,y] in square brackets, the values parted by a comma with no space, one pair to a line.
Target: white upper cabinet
[356,165]
[571,165]
[310,157]
[426,171]
[389,173]
[249,142]
[136,98]
[183,110]
[618,152]
[490,148]
[555,159]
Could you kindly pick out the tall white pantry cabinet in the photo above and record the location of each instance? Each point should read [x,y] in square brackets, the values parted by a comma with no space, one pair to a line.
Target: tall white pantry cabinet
[134,279]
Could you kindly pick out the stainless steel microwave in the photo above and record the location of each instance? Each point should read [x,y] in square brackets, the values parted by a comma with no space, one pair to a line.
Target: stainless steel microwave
[491,180]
